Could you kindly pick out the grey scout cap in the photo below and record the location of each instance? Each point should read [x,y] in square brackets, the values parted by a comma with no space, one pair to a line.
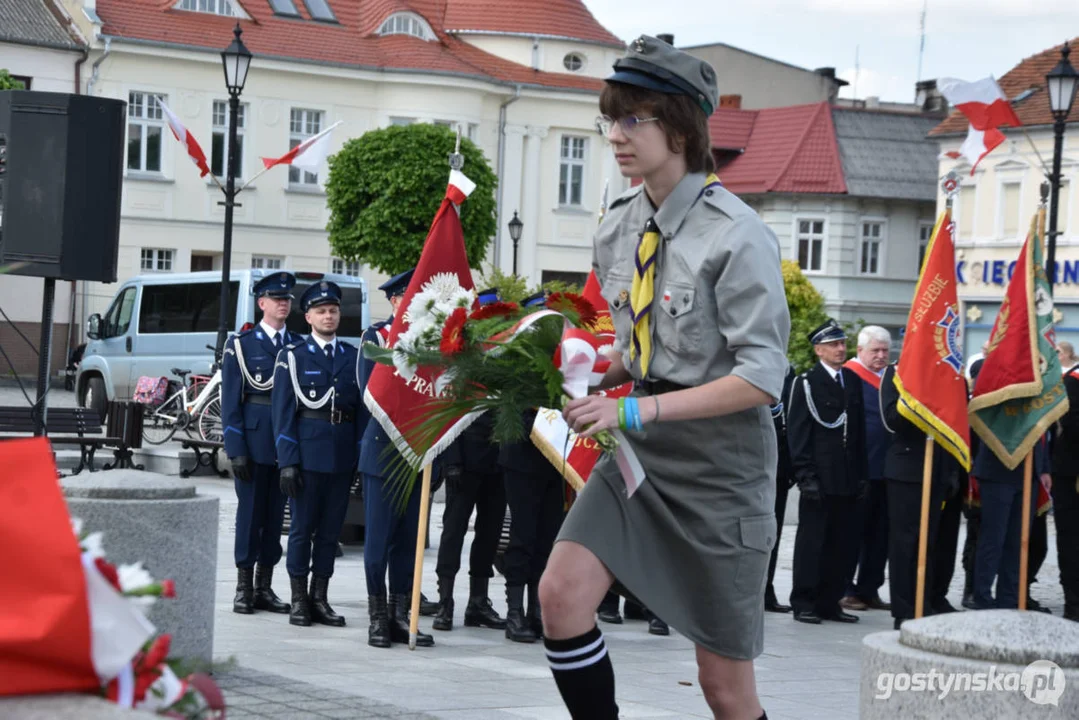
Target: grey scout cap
[655,65]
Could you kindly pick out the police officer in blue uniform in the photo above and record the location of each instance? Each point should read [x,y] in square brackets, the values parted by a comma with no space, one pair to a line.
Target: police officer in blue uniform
[247,371]
[389,534]
[315,405]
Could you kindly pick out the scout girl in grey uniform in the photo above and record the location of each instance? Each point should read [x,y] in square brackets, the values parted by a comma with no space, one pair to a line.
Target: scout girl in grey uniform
[693,280]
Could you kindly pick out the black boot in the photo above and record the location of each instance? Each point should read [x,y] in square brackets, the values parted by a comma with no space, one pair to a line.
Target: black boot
[480,612]
[444,618]
[265,597]
[300,612]
[535,618]
[321,612]
[378,633]
[518,628]
[244,602]
[398,611]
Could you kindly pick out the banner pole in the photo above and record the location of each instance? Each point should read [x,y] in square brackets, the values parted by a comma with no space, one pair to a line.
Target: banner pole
[417,574]
[1024,544]
[923,528]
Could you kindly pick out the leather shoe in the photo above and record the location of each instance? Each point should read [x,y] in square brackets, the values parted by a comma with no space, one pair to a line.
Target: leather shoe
[807,616]
[610,616]
[944,607]
[968,601]
[427,608]
[658,627]
[842,617]
[1035,606]
[897,623]
[875,603]
[850,602]
[772,604]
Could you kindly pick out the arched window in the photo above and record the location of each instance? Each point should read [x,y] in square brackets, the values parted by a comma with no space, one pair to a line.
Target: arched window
[213,7]
[406,23]
[573,61]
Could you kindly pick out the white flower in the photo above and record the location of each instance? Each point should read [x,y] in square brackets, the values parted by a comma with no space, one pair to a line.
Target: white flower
[133,577]
[92,545]
[165,692]
[604,349]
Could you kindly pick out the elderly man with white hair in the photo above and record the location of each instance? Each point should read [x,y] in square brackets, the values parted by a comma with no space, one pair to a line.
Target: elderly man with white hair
[870,552]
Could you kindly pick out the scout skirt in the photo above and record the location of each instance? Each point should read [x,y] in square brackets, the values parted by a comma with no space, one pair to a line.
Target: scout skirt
[693,543]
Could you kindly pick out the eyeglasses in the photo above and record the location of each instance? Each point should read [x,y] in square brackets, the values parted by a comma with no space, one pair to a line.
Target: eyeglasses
[629,124]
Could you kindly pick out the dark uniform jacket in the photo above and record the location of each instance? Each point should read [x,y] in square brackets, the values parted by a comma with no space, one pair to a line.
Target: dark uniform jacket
[820,456]
[474,452]
[524,456]
[905,458]
[372,460]
[248,427]
[1066,439]
[785,468]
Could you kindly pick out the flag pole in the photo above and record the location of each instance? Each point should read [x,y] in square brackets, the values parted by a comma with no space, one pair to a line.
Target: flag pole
[923,528]
[417,573]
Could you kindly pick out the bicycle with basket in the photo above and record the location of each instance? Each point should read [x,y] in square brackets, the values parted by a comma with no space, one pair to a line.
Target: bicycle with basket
[191,404]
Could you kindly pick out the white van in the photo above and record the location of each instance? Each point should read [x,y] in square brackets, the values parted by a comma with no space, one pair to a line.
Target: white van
[162,321]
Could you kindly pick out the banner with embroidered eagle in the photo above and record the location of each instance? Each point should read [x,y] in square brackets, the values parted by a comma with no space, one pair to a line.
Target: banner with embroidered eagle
[929,376]
[1020,392]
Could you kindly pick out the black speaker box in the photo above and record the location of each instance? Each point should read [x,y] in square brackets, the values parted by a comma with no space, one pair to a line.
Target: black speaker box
[61,170]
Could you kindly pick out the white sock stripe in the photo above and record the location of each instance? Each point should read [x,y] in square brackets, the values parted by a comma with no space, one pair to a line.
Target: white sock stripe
[580,663]
[553,655]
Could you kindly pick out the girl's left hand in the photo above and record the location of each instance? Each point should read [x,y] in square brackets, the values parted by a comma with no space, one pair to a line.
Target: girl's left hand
[595,412]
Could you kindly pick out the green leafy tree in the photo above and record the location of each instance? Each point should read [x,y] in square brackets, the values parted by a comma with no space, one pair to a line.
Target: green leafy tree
[385,187]
[511,288]
[806,306]
[9,83]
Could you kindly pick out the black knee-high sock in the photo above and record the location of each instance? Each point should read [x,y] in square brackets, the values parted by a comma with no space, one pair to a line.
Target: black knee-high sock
[584,675]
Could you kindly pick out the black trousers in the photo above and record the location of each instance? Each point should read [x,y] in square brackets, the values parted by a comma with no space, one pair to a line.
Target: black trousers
[782,489]
[486,493]
[872,540]
[536,503]
[945,549]
[1066,516]
[822,549]
[904,518]
[1039,544]
[970,547]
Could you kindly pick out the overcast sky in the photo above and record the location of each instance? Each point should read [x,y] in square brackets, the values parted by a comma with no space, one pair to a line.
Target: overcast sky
[967,39]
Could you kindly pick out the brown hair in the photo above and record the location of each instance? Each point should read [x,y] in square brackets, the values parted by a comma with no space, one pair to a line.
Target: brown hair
[680,116]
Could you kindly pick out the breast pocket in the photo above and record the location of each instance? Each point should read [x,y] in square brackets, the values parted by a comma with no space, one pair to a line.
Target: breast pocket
[678,319]
[260,367]
[616,293]
[313,383]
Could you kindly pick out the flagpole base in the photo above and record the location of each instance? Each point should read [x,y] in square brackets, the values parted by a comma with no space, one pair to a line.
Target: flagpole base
[412,641]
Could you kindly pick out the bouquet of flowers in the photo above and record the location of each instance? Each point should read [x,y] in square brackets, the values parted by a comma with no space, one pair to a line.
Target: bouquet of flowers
[498,358]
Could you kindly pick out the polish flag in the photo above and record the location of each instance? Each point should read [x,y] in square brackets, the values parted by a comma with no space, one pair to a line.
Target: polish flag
[308,155]
[987,108]
[194,151]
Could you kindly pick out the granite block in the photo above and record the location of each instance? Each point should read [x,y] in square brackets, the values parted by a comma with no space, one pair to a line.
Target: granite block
[1006,636]
[51,707]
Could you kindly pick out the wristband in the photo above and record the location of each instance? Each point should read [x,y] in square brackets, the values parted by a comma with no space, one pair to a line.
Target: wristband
[622,414]
[634,414]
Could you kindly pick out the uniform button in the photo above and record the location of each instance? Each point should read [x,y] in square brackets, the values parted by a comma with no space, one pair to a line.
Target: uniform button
[708,193]
[685,299]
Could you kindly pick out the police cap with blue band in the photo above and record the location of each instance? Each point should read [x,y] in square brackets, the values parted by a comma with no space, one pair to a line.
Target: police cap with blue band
[488,296]
[653,64]
[537,300]
[398,284]
[826,333]
[277,285]
[320,293]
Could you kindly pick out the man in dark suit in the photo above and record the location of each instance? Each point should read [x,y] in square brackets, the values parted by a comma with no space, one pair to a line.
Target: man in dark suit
[826,432]
[784,482]
[903,473]
[1066,484]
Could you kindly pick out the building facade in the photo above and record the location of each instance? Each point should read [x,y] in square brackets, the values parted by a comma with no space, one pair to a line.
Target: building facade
[996,203]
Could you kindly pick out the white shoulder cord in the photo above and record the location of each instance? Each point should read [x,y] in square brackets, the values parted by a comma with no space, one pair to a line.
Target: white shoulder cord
[266,385]
[841,420]
[310,404]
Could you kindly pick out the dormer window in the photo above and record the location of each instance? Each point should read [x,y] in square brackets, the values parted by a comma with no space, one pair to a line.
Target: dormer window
[213,7]
[406,23]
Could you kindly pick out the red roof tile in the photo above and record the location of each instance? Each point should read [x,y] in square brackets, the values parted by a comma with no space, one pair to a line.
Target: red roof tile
[789,149]
[1029,74]
[561,18]
[348,42]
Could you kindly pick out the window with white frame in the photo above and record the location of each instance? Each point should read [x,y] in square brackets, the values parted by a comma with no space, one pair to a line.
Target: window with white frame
[1009,209]
[967,198]
[925,232]
[145,127]
[406,23]
[302,125]
[220,141]
[342,267]
[265,262]
[213,7]
[401,121]
[571,170]
[445,123]
[156,259]
[872,240]
[811,244]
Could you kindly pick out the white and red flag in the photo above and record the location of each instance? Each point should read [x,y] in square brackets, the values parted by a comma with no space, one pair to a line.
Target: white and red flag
[308,155]
[194,150]
[987,108]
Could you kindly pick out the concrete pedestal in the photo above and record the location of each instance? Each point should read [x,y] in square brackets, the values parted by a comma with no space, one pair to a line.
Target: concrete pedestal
[51,707]
[172,530]
[986,664]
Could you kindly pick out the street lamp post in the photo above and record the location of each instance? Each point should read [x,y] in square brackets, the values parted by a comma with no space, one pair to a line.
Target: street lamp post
[236,59]
[516,226]
[1061,81]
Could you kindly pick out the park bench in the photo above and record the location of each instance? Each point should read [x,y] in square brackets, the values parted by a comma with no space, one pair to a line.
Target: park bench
[64,426]
[205,456]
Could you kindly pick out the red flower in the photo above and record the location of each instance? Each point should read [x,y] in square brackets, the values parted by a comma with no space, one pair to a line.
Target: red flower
[168,589]
[572,301]
[108,571]
[495,309]
[453,334]
[157,652]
